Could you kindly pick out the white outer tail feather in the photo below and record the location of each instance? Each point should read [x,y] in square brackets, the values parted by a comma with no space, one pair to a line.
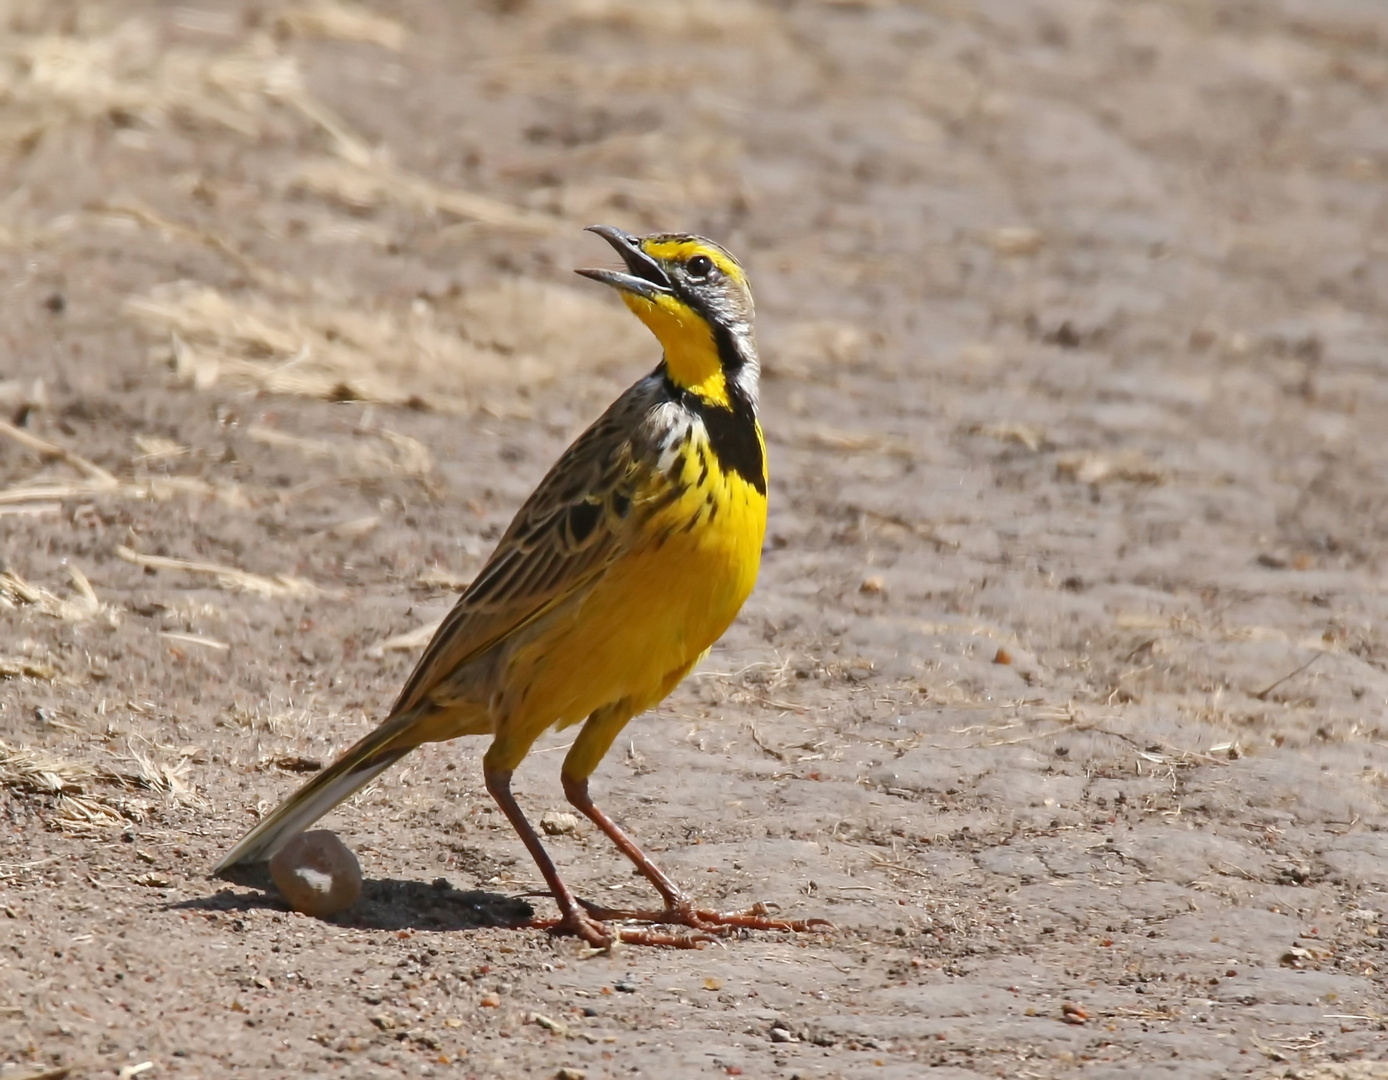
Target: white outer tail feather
[294,815]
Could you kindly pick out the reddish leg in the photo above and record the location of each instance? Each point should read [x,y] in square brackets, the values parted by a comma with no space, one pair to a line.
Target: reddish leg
[573,919]
[679,909]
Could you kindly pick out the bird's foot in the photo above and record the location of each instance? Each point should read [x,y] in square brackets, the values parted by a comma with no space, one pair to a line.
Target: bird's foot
[709,923]
[592,928]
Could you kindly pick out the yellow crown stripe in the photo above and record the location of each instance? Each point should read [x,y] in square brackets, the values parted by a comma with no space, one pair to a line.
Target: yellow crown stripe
[681,251]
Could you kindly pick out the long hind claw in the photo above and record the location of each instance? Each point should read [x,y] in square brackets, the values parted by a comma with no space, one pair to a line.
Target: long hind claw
[599,935]
[709,922]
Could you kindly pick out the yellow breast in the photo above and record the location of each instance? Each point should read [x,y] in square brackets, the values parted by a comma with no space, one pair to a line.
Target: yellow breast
[665,602]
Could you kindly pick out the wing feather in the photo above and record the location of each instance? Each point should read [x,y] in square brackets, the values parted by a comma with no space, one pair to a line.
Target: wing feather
[541,561]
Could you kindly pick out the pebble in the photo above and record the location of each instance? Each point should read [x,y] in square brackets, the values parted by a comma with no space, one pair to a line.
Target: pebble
[557,823]
[317,873]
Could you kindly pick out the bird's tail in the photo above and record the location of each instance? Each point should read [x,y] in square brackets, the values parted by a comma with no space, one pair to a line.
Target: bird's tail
[356,768]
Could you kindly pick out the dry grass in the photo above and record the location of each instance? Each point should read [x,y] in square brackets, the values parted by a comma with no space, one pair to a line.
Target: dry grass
[45,491]
[369,452]
[342,22]
[370,183]
[127,71]
[15,592]
[36,772]
[1130,466]
[24,667]
[398,454]
[1033,438]
[438,577]
[715,20]
[512,334]
[95,480]
[122,215]
[55,80]
[167,488]
[282,336]
[87,797]
[825,438]
[287,335]
[229,577]
[170,781]
[409,641]
[312,350]
[1015,240]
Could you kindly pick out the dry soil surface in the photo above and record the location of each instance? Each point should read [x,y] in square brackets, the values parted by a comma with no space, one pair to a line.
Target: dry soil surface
[1064,689]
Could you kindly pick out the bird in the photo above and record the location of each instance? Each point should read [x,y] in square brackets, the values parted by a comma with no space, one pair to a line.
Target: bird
[617,575]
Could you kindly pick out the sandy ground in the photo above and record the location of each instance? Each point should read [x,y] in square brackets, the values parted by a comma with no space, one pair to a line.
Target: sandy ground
[1063,692]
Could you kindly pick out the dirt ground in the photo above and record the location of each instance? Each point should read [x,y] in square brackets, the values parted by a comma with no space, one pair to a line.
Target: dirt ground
[1063,693]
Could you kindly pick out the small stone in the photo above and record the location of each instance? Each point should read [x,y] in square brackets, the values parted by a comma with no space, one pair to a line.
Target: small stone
[555,823]
[317,873]
[873,585]
[1015,240]
[568,1072]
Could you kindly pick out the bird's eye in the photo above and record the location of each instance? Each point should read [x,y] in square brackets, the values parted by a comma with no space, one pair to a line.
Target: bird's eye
[700,266]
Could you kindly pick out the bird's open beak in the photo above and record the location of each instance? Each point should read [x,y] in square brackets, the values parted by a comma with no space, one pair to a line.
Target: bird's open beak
[645,279]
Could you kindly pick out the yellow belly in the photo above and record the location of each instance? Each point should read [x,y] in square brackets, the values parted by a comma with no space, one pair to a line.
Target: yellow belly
[651,617]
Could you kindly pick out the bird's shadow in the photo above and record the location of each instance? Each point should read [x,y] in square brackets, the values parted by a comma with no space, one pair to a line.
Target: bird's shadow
[385,904]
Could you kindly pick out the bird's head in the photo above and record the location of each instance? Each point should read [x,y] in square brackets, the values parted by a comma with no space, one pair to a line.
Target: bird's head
[696,300]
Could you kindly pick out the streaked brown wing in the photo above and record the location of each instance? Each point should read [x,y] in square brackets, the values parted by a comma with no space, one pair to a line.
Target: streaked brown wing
[573,526]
